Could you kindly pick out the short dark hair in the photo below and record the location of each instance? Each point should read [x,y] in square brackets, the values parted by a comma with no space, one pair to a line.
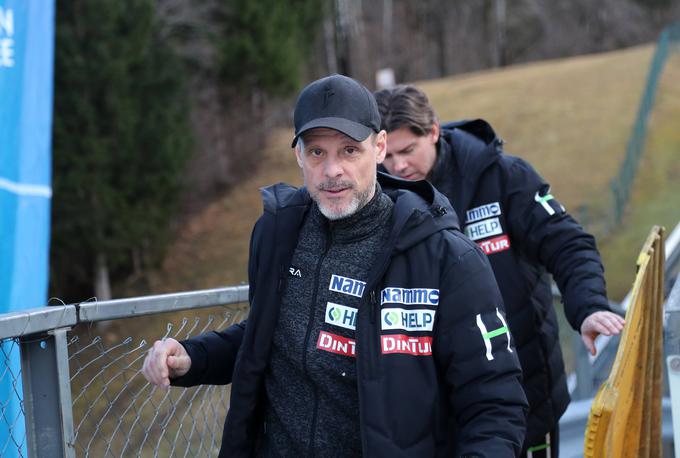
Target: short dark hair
[405,105]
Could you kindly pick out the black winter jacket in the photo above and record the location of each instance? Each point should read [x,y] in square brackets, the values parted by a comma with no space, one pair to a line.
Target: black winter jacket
[506,207]
[450,391]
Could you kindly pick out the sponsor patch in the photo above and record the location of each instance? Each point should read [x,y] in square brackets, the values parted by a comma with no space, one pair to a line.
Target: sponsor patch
[400,343]
[341,315]
[498,332]
[544,201]
[408,320]
[410,296]
[334,343]
[347,285]
[484,229]
[495,244]
[295,271]
[482,212]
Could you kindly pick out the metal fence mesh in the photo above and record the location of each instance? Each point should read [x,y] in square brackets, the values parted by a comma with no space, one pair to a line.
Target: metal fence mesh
[117,413]
[12,430]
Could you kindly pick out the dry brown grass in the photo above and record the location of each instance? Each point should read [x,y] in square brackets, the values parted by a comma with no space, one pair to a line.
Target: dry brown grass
[570,118]
[655,197]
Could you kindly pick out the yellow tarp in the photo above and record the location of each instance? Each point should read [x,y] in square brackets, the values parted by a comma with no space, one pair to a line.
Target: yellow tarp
[625,418]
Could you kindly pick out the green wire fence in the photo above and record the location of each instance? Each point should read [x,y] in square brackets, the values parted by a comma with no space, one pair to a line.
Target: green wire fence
[621,185]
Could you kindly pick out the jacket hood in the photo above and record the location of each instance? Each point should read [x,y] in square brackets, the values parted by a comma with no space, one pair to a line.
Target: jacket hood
[282,195]
[465,150]
[419,210]
[475,145]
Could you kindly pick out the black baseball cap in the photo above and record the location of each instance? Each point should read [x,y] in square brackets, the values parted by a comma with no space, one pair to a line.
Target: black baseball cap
[337,102]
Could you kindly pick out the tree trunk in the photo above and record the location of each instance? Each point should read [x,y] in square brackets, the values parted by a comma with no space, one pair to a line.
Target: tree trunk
[102,285]
[329,41]
[501,15]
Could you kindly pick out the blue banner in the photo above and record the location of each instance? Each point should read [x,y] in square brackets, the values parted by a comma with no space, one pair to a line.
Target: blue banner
[26,73]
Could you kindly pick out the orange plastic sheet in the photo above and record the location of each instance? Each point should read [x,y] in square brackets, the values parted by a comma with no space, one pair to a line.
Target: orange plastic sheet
[625,418]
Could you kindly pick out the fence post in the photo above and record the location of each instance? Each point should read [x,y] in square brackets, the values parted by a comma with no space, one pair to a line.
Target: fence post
[584,370]
[47,394]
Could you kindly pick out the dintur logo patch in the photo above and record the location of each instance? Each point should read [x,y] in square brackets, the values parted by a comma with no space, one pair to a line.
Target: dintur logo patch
[334,343]
[407,345]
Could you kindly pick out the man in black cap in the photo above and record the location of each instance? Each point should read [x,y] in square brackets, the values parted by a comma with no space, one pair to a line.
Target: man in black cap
[375,327]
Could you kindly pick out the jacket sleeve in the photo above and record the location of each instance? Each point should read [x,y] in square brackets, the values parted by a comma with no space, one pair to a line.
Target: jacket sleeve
[213,354]
[474,349]
[549,236]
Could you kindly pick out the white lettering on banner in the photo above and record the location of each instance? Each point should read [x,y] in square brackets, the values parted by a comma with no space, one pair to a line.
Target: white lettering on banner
[408,320]
[484,229]
[341,315]
[6,22]
[6,40]
[400,343]
[414,296]
[336,344]
[346,285]
[495,244]
[481,212]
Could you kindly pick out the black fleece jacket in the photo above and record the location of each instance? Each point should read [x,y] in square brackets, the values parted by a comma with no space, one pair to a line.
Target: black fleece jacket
[311,380]
[451,388]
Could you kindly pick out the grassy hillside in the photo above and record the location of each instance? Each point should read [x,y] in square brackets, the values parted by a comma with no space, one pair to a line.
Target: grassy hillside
[568,115]
[570,118]
[656,192]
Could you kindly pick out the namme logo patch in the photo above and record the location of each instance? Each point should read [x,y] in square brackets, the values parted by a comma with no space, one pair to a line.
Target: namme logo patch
[408,320]
[409,296]
[341,315]
[484,211]
[347,285]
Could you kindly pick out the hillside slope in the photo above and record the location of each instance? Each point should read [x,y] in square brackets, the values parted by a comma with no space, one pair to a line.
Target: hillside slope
[570,118]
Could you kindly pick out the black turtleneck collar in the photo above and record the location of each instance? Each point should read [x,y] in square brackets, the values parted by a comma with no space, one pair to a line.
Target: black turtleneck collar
[361,224]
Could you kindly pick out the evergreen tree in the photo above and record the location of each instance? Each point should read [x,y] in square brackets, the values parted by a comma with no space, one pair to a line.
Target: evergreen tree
[121,139]
[265,43]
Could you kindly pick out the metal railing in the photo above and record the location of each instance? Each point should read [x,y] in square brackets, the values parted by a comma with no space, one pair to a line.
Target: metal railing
[592,372]
[625,418]
[82,391]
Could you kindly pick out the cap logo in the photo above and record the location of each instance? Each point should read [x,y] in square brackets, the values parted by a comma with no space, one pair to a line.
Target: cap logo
[328,93]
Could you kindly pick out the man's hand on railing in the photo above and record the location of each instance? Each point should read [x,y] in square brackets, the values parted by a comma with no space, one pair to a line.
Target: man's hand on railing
[166,359]
[606,323]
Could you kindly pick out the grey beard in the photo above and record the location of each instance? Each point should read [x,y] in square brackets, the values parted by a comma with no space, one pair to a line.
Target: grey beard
[359,200]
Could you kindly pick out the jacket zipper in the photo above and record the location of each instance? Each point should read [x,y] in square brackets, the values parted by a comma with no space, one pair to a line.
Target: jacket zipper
[374,304]
[310,324]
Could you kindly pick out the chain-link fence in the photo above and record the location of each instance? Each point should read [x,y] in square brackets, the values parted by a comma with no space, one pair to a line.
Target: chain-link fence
[11,419]
[79,384]
[669,42]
